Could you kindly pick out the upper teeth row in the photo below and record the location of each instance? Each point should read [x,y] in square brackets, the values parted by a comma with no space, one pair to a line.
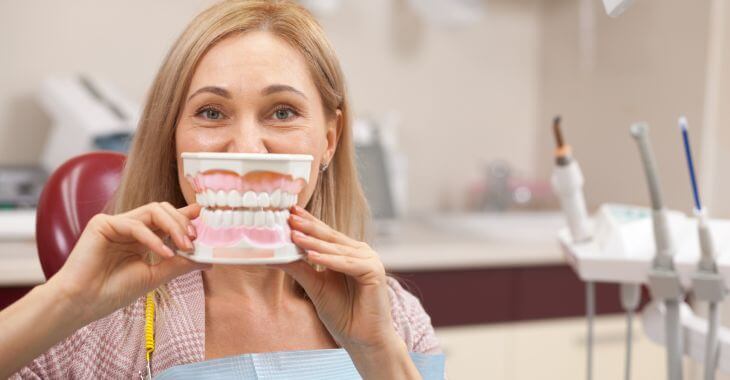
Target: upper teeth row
[231,218]
[233,198]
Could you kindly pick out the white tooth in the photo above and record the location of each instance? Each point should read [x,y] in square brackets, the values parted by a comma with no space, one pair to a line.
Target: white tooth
[210,197]
[278,217]
[205,216]
[220,198]
[259,218]
[276,198]
[216,218]
[291,199]
[263,200]
[269,218]
[234,198]
[237,218]
[200,199]
[249,199]
[227,220]
[284,200]
[285,215]
[248,218]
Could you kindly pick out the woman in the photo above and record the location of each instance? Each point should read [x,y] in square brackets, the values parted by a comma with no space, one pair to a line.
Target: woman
[245,76]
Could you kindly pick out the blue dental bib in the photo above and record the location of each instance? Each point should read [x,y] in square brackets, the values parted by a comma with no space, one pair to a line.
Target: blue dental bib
[304,365]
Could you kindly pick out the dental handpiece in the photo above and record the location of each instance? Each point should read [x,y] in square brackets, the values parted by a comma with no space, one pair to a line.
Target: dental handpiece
[567,181]
[665,247]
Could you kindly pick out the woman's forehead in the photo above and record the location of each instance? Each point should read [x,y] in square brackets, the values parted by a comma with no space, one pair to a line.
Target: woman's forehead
[251,62]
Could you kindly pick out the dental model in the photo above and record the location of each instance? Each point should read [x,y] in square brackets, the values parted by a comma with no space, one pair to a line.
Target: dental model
[246,199]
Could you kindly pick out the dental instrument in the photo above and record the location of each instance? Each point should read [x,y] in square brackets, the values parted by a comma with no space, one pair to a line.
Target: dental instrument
[663,280]
[707,283]
[567,181]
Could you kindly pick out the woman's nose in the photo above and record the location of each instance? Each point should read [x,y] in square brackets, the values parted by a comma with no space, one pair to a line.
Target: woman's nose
[247,139]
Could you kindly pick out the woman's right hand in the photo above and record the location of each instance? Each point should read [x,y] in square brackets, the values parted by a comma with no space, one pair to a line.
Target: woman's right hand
[119,258]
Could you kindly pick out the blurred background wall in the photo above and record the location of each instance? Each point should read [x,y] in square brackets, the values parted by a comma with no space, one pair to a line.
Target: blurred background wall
[465,95]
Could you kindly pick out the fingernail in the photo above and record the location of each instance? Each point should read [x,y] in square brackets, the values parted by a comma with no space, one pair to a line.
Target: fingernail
[188,243]
[191,232]
[167,250]
[312,253]
[296,218]
[299,234]
[298,209]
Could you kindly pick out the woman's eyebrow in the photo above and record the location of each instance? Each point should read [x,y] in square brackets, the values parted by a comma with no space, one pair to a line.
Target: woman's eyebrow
[274,88]
[220,91]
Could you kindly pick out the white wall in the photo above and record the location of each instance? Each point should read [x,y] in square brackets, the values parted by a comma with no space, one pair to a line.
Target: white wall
[122,41]
[465,96]
[649,65]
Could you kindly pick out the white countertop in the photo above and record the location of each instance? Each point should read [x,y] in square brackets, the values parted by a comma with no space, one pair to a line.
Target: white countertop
[448,242]
[419,245]
[19,265]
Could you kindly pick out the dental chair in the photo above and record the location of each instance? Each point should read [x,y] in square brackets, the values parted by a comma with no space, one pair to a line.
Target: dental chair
[75,192]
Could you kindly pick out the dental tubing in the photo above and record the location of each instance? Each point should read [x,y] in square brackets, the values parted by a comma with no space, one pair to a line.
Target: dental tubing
[708,285]
[567,181]
[663,280]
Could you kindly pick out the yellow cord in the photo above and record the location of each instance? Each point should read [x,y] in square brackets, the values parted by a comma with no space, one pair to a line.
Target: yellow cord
[149,325]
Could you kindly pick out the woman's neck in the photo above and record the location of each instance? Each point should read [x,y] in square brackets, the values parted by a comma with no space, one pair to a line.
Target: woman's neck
[255,283]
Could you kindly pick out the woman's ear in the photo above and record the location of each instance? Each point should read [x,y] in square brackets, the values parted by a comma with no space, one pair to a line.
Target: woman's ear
[334,130]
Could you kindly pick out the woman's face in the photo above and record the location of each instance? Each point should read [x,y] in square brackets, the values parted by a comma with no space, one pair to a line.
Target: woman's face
[253,93]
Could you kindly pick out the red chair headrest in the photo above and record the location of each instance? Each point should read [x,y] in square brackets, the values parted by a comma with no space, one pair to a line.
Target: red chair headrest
[74,193]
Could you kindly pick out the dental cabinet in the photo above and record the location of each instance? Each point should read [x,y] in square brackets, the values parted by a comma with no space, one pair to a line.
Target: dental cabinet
[489,268]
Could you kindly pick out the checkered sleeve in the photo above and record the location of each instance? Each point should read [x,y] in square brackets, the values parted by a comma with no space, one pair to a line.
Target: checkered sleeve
[411,321]
[56,362]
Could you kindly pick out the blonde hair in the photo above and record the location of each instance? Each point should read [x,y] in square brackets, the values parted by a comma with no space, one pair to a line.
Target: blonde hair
[151,172]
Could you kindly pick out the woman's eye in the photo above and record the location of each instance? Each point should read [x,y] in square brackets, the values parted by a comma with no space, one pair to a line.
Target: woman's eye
[282,114]
[211,114]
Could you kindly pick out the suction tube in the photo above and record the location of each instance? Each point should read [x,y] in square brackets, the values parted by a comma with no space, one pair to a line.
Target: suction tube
[663,272]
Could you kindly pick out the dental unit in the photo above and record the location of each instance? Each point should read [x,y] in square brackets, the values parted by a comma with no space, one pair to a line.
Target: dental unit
[567,182]
[625,249]
[707,283]
[246,199]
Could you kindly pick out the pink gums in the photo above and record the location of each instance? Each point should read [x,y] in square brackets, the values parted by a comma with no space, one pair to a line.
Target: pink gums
[261,237]
[255,181]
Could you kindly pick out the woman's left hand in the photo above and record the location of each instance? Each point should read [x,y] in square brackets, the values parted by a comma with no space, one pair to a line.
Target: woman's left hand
[351,297]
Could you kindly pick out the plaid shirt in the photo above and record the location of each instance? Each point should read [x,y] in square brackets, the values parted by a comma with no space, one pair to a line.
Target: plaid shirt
[113,347]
